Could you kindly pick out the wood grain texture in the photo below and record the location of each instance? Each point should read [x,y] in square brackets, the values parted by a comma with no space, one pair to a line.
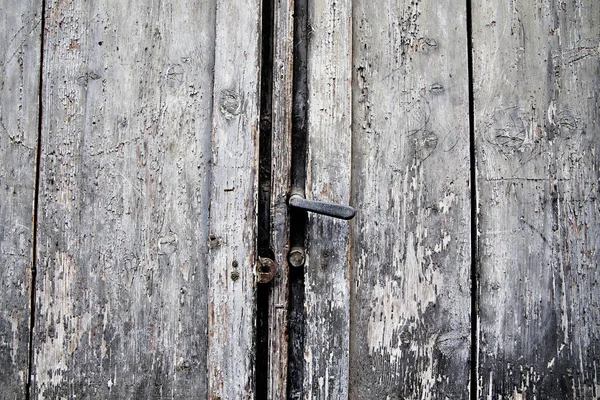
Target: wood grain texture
[122,240]
[281,155]
[411,246]
[233,205]
[327,292]
[20,50]
[537,119]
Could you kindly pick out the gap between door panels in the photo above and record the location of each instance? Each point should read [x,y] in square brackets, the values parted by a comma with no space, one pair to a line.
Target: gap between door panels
[264,190]
[282,158]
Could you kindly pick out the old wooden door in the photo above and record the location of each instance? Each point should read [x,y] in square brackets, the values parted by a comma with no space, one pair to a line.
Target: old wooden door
[148,150]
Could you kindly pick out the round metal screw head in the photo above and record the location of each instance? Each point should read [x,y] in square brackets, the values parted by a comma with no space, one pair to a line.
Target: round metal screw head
[296,257]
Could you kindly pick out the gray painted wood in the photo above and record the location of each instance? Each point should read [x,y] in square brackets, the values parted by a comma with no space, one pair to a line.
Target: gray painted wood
[233,207]
[281,155]
[411,246]
[327,291]
[20,50]
[123,240]
[537,119]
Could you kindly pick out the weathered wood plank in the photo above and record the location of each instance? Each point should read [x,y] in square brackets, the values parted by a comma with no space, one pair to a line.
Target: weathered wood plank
[327,292]
[232,255]
[537,114]
[122,240]
[411,246]
[281,155]
[20,50]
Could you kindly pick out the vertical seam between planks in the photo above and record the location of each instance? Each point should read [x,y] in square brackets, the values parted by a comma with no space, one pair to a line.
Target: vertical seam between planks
[472,179]
[35,217]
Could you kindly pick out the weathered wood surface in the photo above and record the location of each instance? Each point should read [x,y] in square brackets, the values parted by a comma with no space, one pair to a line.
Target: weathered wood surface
[122,241]
[148,182]
[410,283]
[281,155]
[232,258]
[327,291]
[537,119]
[20,50]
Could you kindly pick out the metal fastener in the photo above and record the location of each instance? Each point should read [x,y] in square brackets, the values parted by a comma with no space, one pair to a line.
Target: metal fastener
[296,257]
[266,269]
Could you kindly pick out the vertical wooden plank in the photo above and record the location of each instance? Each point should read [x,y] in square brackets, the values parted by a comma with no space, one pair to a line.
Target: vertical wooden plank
[281,155]
[537,119]
[20,50]
[122,240]
[410,332]
[232,257]
[327,293]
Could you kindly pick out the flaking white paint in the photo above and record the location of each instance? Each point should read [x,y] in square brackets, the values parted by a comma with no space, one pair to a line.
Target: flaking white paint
[402,302]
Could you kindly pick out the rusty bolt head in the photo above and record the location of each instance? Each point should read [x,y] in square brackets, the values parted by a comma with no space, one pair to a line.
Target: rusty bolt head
[266,269]
[296,257]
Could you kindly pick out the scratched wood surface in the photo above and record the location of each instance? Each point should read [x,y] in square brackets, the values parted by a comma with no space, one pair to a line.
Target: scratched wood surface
[327,293]
[232,258]
[410,282]
[537,120]
[122,241]
[281,155]
[20,30]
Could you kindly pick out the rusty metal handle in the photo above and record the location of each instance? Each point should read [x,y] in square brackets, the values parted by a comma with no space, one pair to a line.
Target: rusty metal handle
[321,207]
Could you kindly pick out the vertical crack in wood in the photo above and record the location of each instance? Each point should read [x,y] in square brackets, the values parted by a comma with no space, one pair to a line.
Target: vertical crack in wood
[473,387]
[35,221]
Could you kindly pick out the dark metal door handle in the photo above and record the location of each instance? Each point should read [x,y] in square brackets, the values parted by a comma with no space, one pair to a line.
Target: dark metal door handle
[321,207]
